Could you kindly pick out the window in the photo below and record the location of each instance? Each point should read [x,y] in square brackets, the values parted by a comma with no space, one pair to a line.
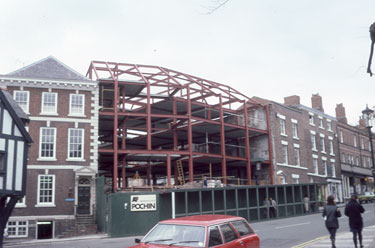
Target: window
[282,127]
[295,130]
[282,180]
[331,147]
[47,142]
[315,165]
[329,125]
[331,170]
[343,157]
[296,156]
[242,228]
[295,179]
[77,104]
[22,98]
[369,163]
[313,142]
[355,141]
[321,123]
[362,144]
[357,161]
[341,137]
[284,150]
[17,228]
[364,162]
[369,145]
[228,233]
[49,103]
[322,144]
[75,143]
[324,163]
[215,237]
[46,189]
[311,119]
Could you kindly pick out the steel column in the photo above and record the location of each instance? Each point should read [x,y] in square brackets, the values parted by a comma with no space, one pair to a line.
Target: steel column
[123,173]
[269,144]
[247,144]
[169,170]
[190,136]
[222,141]
[115,141]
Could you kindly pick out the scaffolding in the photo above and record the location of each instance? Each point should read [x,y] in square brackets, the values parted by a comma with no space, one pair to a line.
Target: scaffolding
[162,123]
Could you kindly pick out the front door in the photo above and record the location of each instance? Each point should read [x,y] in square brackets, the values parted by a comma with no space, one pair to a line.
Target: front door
[83,200]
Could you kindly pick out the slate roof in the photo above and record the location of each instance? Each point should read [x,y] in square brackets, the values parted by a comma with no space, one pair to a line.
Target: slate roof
[49,68]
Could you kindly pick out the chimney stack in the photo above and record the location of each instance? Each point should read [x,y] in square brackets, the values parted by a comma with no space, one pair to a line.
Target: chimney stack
[317,102]
[340,113]
[292,100]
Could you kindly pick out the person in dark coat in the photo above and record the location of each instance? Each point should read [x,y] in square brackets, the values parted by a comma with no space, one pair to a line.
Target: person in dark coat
[330,213]
[354,210]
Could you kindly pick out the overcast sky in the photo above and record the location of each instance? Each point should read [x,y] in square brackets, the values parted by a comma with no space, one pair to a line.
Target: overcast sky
[265,48]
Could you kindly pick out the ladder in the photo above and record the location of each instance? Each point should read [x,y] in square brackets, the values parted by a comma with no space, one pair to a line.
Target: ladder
[180,170]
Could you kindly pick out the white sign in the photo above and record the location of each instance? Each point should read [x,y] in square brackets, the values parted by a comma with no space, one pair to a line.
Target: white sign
[143,203]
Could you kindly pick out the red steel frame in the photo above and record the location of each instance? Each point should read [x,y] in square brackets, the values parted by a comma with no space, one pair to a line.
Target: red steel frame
[174,84]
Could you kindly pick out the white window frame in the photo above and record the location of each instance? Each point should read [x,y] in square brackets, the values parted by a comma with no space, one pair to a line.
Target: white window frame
[46,204]
[284,154]
[49,112]
[341,137]
[343,157]
[315,166]
[356,161]
[362,144]
[311,119]
[297,156]
[331,152]
[363,162]
[82,143]
[369,162]
[321,125]
[26,108]
[282,127]
[313,141]
[53,158]
[18,226]
[324,165]
[329,125]
[295,130]
[355,140]
[71,109]
[322,144]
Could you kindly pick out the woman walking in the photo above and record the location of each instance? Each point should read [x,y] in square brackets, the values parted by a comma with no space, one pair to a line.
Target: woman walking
[330,213]
[354,210]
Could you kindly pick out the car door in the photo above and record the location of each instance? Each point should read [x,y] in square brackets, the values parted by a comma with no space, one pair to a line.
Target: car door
[231,239]
[247,236]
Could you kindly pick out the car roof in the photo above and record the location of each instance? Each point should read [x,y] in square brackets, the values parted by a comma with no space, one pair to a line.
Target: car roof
[202,220]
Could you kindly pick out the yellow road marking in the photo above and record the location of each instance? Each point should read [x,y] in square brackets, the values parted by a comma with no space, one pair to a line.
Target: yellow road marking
[310,242]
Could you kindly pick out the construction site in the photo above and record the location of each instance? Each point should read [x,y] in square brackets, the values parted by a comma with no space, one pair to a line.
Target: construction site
[160,128]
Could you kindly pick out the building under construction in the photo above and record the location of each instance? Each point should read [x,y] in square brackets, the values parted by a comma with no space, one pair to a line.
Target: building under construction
[163,128]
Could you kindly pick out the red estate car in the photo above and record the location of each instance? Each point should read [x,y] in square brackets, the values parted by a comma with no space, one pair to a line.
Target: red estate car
[201,231]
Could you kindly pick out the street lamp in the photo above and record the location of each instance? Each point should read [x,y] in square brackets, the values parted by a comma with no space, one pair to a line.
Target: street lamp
[368,115]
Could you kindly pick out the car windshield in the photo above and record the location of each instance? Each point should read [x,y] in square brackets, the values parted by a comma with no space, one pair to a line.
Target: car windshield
[176,235]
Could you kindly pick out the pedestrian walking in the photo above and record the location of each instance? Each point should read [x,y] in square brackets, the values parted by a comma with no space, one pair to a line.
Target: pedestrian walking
[273,207]
[354,210]
[266,205]
[331,213]
[306,203]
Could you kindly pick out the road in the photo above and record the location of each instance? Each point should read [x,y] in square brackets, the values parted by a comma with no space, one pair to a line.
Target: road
[281,233]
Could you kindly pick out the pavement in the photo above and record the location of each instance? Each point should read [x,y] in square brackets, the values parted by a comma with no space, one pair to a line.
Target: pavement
[343,240]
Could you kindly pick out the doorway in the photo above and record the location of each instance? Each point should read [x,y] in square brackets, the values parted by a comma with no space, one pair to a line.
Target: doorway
[83,200]
[45,229]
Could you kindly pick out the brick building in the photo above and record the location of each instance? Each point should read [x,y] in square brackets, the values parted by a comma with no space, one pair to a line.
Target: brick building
[355,155]
[304,144]
[62,163]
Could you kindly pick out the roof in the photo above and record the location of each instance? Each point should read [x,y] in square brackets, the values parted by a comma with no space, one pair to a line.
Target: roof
[49,68]
[15,111]
[202,220]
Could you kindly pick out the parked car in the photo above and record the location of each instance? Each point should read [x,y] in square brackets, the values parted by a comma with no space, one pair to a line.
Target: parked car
[201,231]
[367,197]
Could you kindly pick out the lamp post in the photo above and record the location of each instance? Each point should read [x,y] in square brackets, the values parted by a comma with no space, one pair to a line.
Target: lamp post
[368,115]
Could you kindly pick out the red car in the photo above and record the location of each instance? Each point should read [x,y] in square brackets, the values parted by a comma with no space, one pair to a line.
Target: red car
[201,231]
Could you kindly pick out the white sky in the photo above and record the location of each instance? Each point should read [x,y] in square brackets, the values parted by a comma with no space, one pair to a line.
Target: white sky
[265,48]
